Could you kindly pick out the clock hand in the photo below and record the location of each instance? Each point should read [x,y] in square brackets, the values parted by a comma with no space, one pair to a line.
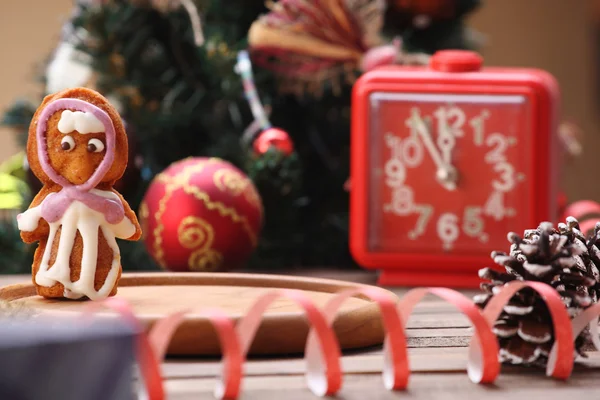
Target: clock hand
[423,131]
[446,143]
[445,174]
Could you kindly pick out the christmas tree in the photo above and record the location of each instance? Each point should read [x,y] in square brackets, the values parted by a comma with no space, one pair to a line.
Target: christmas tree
[170,69]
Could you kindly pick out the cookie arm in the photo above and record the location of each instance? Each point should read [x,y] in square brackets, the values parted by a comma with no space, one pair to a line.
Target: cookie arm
[32,226]
[130,215]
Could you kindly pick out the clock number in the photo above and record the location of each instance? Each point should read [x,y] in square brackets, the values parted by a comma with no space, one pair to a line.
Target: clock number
[412,152]
[473,223]
[395,172]
[409,150]
[425,212]
[447,229]
[499,144]
[402,204]
[494,206]
[392,142]
[507,176]
[402,201]
[450,122]
[452,117]
[478,125]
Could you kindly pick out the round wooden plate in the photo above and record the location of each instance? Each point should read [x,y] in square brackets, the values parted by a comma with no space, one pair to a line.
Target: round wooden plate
[284,328]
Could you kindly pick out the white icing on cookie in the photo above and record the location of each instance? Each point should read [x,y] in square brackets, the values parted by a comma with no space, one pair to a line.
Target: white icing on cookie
[79,217]
[82,122]
[30,219]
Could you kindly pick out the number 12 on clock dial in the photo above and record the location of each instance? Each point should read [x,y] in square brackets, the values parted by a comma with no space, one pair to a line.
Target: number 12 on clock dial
[448,172]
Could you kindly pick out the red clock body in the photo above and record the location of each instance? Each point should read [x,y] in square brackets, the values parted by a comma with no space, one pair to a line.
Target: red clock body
[446,160]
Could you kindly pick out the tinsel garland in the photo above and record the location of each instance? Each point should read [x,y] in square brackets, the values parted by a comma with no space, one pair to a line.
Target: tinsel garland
[309,42]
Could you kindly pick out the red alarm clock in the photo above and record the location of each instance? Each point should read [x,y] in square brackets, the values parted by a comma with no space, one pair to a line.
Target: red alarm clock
[445,161]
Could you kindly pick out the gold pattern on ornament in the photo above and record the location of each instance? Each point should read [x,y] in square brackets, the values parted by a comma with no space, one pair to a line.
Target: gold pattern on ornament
[162,178]
[182,180]
[252,197]
[195,233]
[222,209]
[170,186]
[205,260]
[230,181]
[159,253]
[144,213]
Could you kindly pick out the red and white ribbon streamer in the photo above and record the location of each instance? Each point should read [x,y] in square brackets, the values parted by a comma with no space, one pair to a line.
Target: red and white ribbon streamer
[322,352]
[586,212]
[561,358]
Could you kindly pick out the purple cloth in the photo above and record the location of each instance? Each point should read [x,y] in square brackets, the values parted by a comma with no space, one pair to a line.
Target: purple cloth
[66,360]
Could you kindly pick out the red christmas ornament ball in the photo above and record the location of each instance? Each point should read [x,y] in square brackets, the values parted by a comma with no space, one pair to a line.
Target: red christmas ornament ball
[273,137]
[201,214]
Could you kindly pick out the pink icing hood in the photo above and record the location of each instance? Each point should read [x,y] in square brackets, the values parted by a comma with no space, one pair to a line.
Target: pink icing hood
[56,204]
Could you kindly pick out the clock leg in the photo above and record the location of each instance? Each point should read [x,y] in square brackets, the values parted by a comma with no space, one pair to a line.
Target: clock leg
[466,280]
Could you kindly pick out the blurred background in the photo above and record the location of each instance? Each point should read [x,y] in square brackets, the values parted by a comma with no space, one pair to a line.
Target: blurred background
[559,36]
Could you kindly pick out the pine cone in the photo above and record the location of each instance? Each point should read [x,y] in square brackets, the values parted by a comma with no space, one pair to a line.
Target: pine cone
[563,258]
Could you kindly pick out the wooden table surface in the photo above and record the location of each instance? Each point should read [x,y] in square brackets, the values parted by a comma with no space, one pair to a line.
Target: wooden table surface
[438,340]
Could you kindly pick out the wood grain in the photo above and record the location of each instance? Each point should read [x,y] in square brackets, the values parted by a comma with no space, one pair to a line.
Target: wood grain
[422,360]
[283,330]
[370,362]
[448,386]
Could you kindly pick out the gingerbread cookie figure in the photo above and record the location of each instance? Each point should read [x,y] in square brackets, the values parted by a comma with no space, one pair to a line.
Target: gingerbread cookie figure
[77,148]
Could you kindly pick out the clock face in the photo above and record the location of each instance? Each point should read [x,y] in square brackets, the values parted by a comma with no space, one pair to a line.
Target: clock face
[448,172]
